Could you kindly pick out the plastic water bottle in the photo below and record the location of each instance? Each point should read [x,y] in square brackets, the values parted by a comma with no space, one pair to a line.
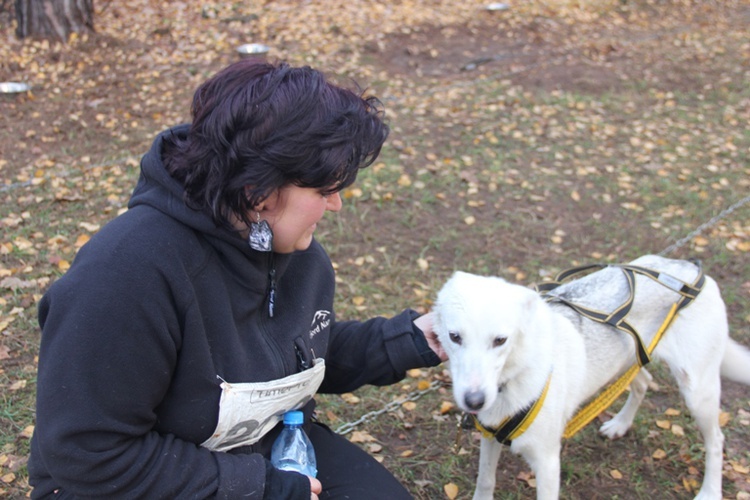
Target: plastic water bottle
[293,450]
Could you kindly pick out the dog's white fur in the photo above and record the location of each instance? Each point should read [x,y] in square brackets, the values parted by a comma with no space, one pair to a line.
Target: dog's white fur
[503,341]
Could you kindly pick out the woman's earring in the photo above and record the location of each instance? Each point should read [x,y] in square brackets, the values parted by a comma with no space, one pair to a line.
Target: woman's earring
[261,236]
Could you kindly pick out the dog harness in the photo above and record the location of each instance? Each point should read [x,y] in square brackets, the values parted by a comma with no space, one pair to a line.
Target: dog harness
[514,426]
[687,292]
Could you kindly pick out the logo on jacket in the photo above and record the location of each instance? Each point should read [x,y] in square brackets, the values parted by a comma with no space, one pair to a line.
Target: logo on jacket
[321,320]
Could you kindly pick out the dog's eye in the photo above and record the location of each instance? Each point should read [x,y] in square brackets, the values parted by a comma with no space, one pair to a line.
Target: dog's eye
[455,337]
[499,341]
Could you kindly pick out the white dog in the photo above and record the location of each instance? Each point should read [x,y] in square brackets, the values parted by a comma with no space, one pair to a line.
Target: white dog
[506,344]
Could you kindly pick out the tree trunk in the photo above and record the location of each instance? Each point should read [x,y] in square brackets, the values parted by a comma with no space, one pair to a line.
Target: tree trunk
[54,19]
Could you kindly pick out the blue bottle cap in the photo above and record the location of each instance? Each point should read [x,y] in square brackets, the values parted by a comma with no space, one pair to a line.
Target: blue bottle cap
[295,417]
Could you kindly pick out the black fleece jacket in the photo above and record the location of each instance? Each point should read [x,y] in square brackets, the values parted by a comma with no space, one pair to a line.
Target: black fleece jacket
[155,308]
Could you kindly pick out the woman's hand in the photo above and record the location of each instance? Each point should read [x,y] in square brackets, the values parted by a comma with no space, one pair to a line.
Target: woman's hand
[315,488]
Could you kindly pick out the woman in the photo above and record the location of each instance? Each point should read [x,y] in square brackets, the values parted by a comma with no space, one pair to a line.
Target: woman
[188,325]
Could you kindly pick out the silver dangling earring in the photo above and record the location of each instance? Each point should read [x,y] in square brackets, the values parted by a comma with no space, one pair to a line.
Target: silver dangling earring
[261,236]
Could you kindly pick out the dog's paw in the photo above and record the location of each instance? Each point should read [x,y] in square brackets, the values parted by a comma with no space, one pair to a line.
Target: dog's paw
[614,428]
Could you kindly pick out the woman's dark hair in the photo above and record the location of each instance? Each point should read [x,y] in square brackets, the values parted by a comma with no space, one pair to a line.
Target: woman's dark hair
[264,126]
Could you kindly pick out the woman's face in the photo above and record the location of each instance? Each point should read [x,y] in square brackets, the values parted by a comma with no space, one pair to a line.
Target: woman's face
[293,213]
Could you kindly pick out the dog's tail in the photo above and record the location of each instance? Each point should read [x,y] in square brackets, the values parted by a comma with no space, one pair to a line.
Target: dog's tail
[736,363]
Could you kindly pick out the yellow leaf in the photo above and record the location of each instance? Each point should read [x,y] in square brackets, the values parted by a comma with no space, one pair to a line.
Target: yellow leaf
[445,407]
[374,448]
[663,424]
[82,240]
[423,264]
[470,220]
[27,432]
[92,228]
[414,372]
[451,490]
[423,385]
[361,437]
[742,469]
[677,430]
[409,405]
[671,412]
[616,474]
[350,398]
[8,478]
[407,453]
[691,484]
[63,265]
[404,180]
[659,454]
[700,241]
[575,195]
[358,301]
[352,193]
[724,418]
[18,385]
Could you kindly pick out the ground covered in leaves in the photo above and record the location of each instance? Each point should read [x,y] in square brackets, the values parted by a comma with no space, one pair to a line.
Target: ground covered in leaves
[523,141]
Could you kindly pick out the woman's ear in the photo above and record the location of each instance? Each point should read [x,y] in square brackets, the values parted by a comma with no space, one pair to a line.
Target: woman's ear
[269,203]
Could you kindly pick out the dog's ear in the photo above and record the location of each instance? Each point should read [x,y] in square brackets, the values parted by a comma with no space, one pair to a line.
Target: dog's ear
[531,301]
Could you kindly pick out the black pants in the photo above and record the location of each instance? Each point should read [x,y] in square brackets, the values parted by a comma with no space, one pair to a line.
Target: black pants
[347,471]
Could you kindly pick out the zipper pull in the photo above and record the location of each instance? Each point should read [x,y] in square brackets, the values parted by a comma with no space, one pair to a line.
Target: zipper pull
[272,291]
[301,362]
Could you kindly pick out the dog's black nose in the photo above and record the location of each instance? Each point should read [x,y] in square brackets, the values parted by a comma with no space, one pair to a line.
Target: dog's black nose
[474,400]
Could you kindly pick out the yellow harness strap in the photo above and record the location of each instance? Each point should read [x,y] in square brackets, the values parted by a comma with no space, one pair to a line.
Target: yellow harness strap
[514,426]
[609,395]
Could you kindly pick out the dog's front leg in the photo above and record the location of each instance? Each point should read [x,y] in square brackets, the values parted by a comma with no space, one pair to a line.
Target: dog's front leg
[545,462]
[489,455]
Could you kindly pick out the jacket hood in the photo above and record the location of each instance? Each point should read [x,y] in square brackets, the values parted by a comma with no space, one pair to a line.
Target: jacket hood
[156,188]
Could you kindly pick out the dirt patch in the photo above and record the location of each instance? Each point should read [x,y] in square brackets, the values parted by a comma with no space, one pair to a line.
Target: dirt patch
[547,54]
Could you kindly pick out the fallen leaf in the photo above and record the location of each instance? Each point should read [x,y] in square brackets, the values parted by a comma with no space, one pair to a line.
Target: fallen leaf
[663,424]
[724,418]
[677,430]
[700,241]
[92,228]
[451,490]
[423,385]
[659,454]
[374,448]
[361,437]
[18,385]
[616,474]
[409,405]
[350,398]
[82,240]
[671,412]
[407,453]
[445,407]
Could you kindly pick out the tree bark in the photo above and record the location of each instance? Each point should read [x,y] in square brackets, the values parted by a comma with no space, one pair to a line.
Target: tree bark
[54,19]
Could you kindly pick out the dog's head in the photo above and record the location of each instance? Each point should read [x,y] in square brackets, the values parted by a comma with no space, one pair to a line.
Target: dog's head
[480,322]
